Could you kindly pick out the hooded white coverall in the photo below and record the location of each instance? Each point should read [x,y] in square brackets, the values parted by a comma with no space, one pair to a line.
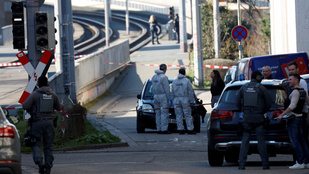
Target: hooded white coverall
[162,95]
[183,95]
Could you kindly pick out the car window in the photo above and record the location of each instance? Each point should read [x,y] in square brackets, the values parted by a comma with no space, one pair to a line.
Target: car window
[277,95]
[229,96]
[148,92]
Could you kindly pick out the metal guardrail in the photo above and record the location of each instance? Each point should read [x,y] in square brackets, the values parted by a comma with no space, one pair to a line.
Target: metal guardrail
[139,5]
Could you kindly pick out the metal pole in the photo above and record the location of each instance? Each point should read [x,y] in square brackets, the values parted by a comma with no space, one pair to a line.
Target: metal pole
[34,55]
[197,44]
[109,10]
[106,23]
[2,20]
[216,28]
[127,18]
[58,14]
[67,49]
[182,27]
[239,23]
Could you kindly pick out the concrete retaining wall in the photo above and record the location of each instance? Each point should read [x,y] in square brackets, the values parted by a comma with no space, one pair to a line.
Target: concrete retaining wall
[93,76]
[7,35]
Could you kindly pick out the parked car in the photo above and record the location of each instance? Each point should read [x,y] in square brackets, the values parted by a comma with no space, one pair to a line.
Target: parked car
[146,117]
[230,75]
[224,127]
[10,153]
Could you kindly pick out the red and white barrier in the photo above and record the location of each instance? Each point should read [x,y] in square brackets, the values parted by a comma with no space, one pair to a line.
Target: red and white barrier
[33,73]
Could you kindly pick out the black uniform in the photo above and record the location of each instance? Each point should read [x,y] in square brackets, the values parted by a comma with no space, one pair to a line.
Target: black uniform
[254,100]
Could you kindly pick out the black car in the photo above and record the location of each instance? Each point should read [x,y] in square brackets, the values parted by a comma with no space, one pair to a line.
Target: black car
[146,117]
[224,127]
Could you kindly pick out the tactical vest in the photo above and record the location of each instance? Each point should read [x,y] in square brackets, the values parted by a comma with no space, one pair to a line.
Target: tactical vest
[301,101]
[44,105]
[250,96]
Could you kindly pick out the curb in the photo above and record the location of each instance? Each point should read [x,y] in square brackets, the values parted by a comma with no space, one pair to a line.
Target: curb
[92,147]
[106,105]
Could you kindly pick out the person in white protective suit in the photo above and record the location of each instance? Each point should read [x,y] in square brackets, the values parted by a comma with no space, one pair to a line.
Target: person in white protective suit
[162,96]
[183,95]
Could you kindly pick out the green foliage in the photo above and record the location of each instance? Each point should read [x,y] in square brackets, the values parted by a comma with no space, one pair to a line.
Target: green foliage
[266,27]
[97,138]
[207,30]
[228,20]
[92,136]
[227,23]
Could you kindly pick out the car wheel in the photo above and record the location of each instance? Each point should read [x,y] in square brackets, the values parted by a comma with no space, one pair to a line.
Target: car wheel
[231,157]
[197,123]
[215,158]
[139,125]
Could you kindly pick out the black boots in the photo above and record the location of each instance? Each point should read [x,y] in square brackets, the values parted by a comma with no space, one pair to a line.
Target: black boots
[41,168]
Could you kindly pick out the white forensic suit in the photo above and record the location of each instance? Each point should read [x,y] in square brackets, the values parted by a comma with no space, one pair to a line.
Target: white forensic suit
[183,95]
[162,95]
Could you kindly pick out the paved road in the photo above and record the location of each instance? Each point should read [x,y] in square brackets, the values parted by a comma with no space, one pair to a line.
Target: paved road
[150,153]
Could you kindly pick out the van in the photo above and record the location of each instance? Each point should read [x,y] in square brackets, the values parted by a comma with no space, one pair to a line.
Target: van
[277,63]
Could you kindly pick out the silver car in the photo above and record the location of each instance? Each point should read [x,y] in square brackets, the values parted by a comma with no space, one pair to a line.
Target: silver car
[10,154]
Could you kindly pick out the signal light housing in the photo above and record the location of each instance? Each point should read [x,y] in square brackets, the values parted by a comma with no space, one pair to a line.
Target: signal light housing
[18,25]
[45,30]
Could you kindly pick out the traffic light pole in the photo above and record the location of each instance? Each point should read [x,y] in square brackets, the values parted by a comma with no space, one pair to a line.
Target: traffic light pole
[34,55]
[197,44]
[67,48]
[182,27]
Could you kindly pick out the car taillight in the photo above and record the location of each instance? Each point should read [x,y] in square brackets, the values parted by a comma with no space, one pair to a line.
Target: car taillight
[7,132]
[221,114]
[277,113]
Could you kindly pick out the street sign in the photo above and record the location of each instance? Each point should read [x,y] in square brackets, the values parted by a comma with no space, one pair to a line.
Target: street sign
[239,33]
[33,73]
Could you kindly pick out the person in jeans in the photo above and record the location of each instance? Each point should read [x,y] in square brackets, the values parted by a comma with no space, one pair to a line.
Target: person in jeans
[40,104]
[176,27]
[217,86]
[296,100]
[153,28]
[253,100]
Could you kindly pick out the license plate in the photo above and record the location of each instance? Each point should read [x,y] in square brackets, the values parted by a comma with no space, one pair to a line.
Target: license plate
[240,115]
[173,121]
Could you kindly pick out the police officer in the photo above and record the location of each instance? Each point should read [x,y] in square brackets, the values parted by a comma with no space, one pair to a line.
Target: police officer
[41,104]
[162,96]
[253,100]
[183,95]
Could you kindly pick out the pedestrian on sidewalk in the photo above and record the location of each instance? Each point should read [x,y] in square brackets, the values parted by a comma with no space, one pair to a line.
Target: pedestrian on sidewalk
[176,27]
[217,86]
[41,105]
[153,28]
[183,95]
[162,96]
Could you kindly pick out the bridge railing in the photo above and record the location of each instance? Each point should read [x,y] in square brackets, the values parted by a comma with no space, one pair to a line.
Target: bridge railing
[93,73]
